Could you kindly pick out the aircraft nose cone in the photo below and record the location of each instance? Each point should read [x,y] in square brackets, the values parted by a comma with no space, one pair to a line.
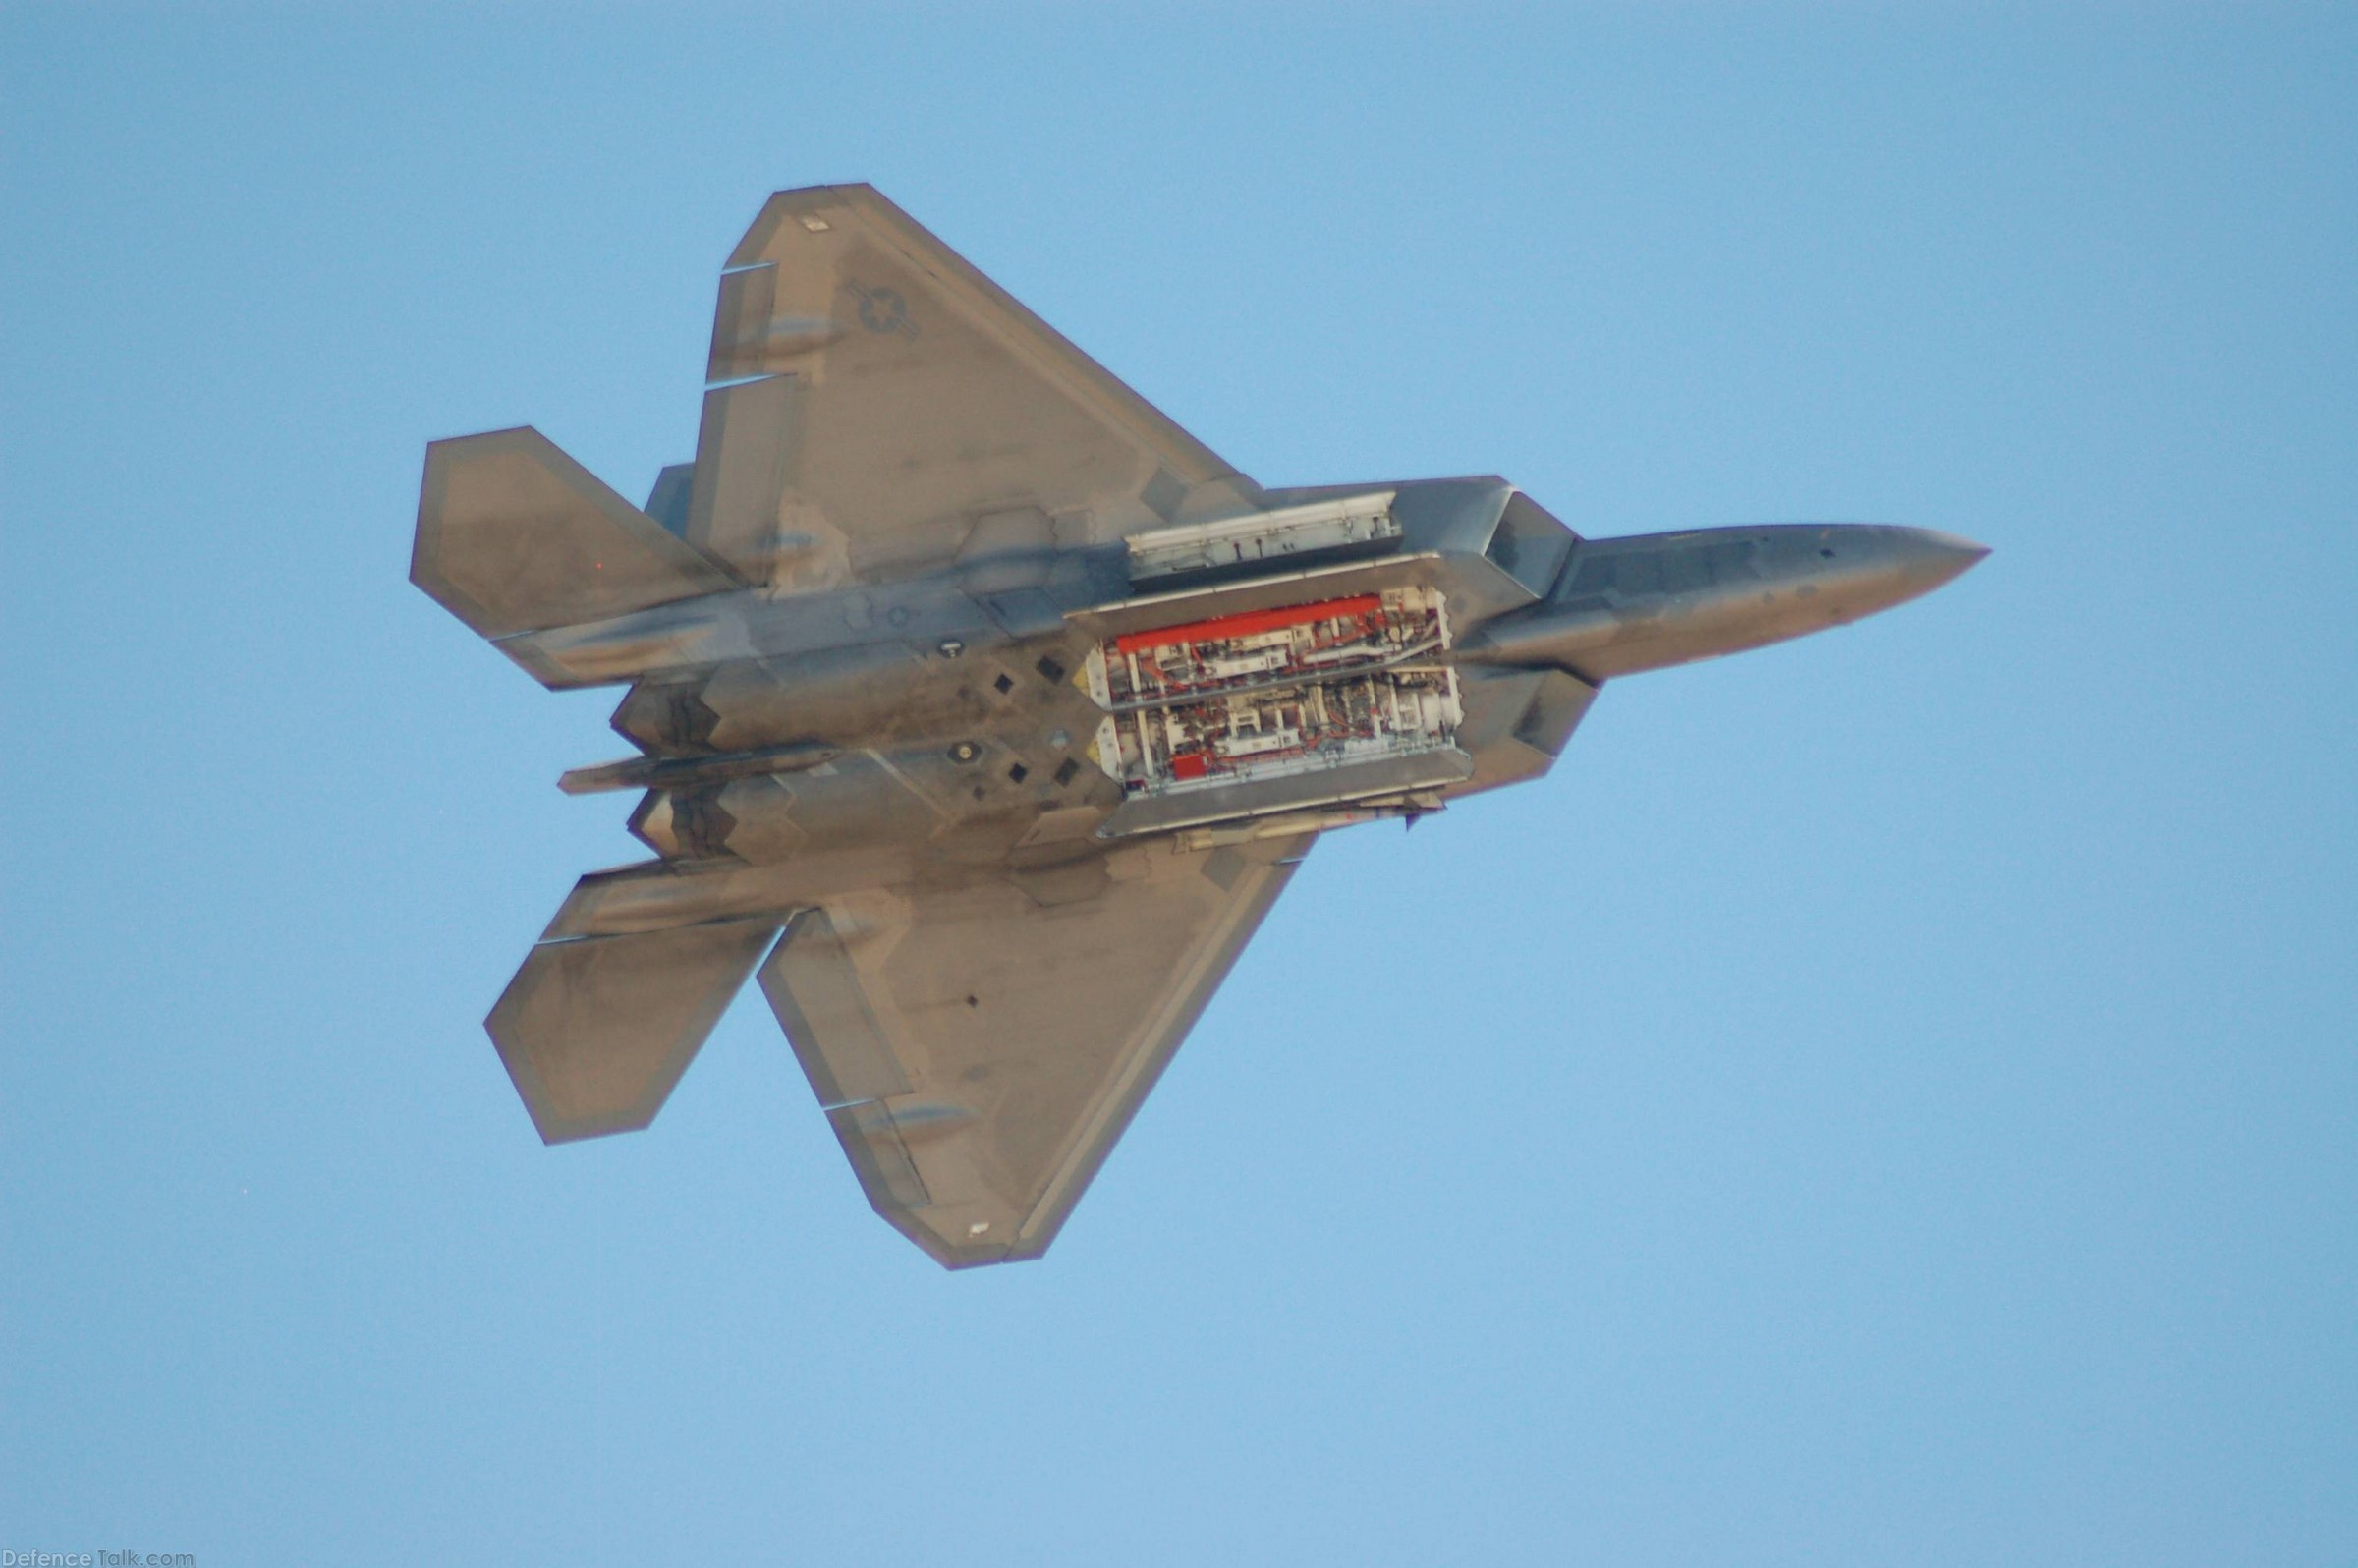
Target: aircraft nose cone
[1928,557]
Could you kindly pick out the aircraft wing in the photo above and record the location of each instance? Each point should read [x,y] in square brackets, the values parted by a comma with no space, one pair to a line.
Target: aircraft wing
[978,1048]
[881,408]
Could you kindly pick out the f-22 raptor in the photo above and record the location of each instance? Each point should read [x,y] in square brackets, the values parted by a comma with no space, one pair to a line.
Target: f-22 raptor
[985,712]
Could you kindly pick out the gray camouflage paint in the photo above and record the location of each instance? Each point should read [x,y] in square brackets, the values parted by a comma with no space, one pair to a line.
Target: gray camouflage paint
[850,633]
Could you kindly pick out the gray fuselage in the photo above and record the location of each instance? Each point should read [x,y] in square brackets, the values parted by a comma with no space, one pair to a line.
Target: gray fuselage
[814,733]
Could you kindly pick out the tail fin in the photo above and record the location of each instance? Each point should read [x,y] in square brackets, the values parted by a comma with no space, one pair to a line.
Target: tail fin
[513,536]
[596,1031]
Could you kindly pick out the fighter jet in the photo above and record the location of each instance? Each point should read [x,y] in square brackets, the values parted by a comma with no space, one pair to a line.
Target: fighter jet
[982,713]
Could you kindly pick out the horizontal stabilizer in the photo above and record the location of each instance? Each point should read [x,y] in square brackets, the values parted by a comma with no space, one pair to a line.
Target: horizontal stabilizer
[513,536]
[597,1030]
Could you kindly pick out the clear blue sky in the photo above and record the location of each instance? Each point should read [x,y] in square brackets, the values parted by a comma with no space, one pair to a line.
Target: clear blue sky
[1892,1098]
